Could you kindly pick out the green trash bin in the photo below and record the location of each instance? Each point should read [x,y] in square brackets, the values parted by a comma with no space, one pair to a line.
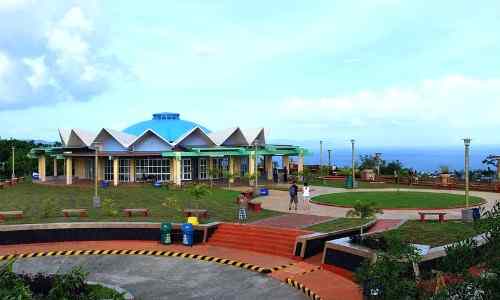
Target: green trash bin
[166,233]
[348,182]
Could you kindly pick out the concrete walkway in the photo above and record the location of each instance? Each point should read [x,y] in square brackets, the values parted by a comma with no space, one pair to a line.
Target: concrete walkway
[279,200]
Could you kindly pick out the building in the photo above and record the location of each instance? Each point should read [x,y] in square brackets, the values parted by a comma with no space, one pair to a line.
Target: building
[165,148]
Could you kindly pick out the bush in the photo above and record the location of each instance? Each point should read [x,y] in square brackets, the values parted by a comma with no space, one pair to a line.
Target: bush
[109,207]
[460,257]
[12,286]
[49,208]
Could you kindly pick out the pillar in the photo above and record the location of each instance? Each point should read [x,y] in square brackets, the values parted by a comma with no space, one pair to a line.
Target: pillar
[251,164]
[41,168]
[132,170]
[300,167]
[69,170]
[237,166]
[115,171]
[99,168]
[177,172]
[55,167]
[231,168]
[285,161]
[269,167]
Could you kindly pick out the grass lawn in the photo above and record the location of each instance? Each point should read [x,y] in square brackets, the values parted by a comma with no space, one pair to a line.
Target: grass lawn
[400,199]
[337,224]
[434,233]
[37,201]
[363,184]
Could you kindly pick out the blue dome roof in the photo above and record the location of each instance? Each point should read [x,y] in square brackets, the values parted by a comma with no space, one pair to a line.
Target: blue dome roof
[168,125]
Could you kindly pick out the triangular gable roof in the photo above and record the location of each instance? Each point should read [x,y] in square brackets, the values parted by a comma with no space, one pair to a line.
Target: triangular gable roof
[86,137]
[191,132]
[138,138]
[251,134]
[219,137]
[64,135]
[123,139]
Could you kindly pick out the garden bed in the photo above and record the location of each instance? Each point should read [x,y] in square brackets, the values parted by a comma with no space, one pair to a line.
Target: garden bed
[398,200]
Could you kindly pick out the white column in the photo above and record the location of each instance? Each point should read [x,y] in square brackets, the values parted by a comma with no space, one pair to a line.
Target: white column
[115,171]
[41,168]
[269,167]
[69,170]
[177,170]
[55,167]
[231,168]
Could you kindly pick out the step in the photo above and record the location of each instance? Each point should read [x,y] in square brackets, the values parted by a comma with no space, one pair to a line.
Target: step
[263,243]
[263,233]
[263,229]
[275,251]
[254,236]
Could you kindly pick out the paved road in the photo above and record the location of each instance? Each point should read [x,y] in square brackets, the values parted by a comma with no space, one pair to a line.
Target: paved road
[278,201]
[156,278]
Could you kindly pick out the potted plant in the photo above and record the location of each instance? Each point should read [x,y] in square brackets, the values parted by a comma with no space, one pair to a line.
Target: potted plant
[444,175]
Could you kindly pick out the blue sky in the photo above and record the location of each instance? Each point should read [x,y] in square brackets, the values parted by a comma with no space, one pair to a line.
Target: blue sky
[387,73]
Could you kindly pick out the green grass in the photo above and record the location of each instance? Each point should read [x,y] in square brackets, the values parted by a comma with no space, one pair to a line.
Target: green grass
[402,199]
[164,204]
[434,233]
[363,184]
[337,224]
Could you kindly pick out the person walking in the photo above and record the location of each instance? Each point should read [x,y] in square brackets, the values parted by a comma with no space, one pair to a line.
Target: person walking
[242,208]
[306,196]
[293,191]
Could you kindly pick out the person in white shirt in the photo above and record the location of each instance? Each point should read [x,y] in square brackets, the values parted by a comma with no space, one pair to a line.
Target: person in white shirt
[306,196]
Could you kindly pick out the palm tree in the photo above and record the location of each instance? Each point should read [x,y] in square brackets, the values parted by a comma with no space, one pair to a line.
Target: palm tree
[364,210]
[198,191]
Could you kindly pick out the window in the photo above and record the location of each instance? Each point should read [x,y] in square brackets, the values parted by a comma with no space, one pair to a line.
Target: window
[244,166]
[203,169]
[108,170]
[186,169]
[124,170]
[157,169]
[89,169]
[219,164]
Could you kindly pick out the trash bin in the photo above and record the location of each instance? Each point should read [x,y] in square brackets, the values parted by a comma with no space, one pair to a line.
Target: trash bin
[264,192]
[348,182]
[467,215]
[166,233]
[187,234]
[157,184]
[104,184]
[193,220]
[476,213]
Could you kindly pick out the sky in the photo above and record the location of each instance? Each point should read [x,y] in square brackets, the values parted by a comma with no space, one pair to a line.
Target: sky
[387,73]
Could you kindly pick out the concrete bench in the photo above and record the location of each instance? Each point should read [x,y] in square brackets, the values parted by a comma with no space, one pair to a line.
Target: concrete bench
[15,213]
[439,214]
[200,213]
[83,212]
[129,211]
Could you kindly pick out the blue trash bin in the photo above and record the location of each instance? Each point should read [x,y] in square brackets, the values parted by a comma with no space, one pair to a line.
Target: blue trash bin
[476,213]
[104,184]
[264,192]
[157,184]
[187,234]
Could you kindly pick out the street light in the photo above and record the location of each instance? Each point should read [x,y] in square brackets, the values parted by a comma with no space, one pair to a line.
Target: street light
[96,201]
[330,158]
[466,171]
[320,154]
[353,166]
[13,162]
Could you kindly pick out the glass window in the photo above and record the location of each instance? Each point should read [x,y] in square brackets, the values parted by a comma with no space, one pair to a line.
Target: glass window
[157,169]
[203,168]
[186,169]
[108,170]
[219,164]
[244,166]
[124,170]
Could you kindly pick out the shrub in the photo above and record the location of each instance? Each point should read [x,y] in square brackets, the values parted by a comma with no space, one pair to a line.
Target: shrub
[109,207]
[49,208]
[12,286]
[69,286]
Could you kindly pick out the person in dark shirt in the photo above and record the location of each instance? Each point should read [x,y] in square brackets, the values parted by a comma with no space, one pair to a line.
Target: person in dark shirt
[293,191]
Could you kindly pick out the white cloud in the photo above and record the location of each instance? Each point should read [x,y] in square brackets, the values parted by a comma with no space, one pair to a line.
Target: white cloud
[76,19]
[39,75]
[453,101]
[9,5]
[4,64]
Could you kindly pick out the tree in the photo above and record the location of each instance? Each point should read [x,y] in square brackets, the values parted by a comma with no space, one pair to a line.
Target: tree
[363,210]
[198,192]
[213,173]
[392,166]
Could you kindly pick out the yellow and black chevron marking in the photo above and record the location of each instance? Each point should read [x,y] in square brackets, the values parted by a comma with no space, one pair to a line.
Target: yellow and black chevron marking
[312,270]
[309,293]
[279,268]
[218,260]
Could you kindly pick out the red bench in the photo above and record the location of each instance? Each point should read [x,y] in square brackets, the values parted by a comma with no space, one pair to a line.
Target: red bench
[129,211]
[16,213]
[83,212]
[255,206]
[200,213]
[439,214]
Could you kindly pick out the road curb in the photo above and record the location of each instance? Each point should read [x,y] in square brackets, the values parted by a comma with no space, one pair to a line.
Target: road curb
[307,291]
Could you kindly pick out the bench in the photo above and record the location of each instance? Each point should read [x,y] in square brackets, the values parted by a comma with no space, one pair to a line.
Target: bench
[255,206]
[200,213]
[439,214]
[1,185]
[83,212]
[130,211]
[16,213]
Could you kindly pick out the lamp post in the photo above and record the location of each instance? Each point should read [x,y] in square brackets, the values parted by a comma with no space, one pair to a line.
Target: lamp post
[466,171]
[320,154]
[96,201]
[353,164]
[13,162]
[329,158]
[378,155]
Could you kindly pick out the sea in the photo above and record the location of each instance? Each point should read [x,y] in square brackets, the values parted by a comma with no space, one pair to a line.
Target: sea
[422,159]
